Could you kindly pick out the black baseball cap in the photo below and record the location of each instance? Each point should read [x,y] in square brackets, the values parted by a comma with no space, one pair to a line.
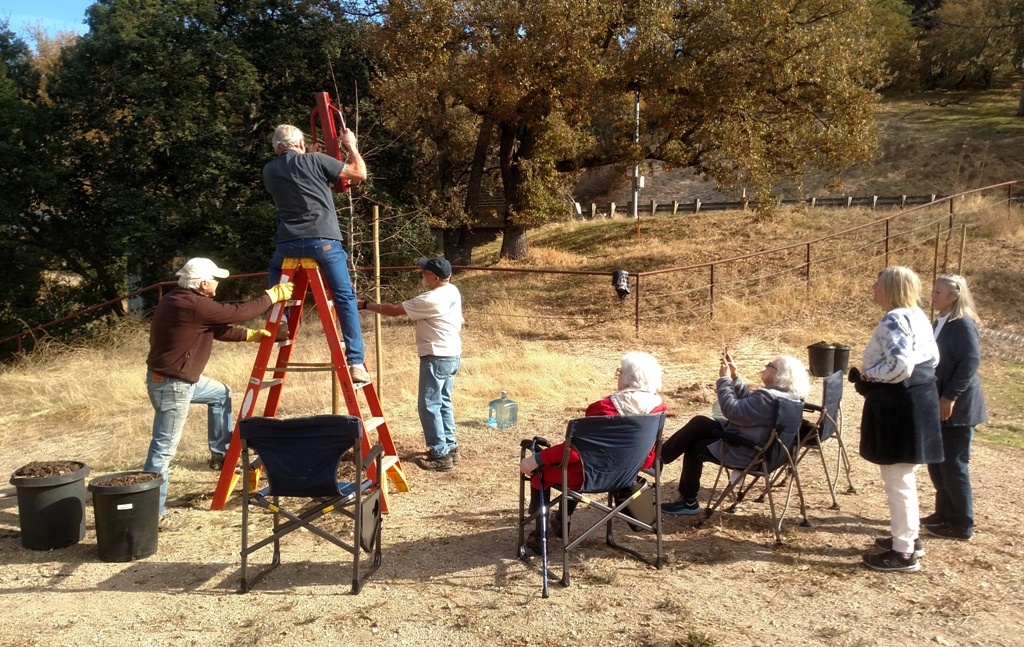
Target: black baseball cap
[439,266]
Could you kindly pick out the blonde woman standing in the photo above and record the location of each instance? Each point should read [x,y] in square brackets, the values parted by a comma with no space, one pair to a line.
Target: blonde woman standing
[900,424]
[961,407]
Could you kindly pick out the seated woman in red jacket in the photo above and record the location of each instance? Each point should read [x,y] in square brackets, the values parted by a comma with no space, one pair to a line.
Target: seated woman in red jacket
[639,377]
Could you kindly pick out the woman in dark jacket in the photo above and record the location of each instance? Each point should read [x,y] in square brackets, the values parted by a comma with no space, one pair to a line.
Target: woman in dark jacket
[961,407]
[899,429]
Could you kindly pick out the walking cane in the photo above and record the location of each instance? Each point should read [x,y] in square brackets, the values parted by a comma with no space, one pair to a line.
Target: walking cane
[543,522]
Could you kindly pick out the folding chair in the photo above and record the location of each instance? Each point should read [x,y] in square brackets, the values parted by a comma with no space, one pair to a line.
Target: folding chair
[612,450]
[775,455]
[829,423]
[301,457]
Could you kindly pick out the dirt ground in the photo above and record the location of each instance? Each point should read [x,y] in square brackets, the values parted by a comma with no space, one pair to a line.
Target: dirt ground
[451,577]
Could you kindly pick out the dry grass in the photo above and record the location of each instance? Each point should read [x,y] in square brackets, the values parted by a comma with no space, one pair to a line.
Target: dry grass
[552,342]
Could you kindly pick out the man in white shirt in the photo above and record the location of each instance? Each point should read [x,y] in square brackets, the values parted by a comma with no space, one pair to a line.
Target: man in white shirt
[437,314]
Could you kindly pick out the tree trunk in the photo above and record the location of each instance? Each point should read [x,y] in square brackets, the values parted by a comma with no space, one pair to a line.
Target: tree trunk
[459,241]
[513,243]
[1020,107]
[516,144]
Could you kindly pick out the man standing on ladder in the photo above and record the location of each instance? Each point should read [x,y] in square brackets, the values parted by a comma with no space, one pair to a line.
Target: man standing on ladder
[438,317]
[185,323]
[307,223]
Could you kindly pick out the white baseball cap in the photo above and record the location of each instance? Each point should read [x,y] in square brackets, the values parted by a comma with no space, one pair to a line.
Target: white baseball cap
[202,269]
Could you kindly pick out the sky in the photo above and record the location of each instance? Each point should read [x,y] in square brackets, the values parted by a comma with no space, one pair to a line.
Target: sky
[53,15]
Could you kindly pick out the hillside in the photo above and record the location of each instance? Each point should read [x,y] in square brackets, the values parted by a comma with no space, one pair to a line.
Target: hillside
[962,140]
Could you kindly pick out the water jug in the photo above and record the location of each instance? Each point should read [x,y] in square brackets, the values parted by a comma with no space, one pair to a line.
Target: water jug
[502,412]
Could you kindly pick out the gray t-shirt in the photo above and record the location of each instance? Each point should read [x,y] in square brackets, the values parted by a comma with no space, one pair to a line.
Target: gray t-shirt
[301,188]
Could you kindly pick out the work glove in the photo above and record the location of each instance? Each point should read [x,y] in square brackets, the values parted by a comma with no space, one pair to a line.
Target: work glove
[256,334]
[281,292]
[854,375]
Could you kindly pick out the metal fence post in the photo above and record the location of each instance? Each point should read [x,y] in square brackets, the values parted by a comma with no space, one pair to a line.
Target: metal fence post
[887,242]
[636,305]
[963,248]
[711,291]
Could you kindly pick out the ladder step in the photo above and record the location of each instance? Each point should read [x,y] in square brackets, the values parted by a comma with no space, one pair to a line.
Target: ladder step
[370,424]
[266,384]
[303,367]
[389,461]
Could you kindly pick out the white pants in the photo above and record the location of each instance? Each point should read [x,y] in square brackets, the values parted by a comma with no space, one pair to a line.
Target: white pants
[904,518]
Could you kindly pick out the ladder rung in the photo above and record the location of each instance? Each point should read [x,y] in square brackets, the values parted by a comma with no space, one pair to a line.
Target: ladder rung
[372,423]
[293,302]
[388,462]
[266,384]
[303,367]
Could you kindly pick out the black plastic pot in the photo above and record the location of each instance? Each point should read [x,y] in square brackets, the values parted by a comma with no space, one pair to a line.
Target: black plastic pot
[51,509]
[821,358]
[127,517]
[842,359]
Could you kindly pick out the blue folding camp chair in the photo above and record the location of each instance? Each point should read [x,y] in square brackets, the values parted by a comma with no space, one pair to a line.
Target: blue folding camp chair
[828,425]
[301,457]
[775,455]
[612,450]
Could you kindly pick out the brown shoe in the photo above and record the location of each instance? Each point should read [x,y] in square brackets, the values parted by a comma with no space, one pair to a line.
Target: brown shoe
[438,464]
[358,373]
[282,332]
[455,456]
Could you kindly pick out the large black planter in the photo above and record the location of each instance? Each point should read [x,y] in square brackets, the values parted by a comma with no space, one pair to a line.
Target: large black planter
[51,509]
[127,517]
[822,358]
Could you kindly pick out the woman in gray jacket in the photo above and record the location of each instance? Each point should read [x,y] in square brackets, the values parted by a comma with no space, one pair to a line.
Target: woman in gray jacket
[961,407]
[750,414]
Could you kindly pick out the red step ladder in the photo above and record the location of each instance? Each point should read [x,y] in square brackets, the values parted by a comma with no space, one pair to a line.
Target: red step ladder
[306,274]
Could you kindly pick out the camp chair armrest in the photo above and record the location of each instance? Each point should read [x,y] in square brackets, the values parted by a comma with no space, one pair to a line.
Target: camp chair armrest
[527,443]
[813,407]
[375,451]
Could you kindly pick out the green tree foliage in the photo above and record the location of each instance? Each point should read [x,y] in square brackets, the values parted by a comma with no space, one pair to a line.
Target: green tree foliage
[972,43]
[162,116]
[20,262]
[747,91]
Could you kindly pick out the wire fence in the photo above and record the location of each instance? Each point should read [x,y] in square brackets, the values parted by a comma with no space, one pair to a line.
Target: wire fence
[931,235]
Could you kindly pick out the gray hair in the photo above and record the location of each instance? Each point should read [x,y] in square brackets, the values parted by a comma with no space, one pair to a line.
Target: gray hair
[185,281]
[641,371]
[964,304]
[791,376]
[286,136]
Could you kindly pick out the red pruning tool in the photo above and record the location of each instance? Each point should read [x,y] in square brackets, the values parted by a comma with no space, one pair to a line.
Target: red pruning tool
[326,111]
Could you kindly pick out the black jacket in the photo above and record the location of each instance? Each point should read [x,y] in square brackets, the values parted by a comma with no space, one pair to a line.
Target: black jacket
[957,373]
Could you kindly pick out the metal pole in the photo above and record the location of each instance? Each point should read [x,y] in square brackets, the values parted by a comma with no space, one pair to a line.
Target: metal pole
[636,166]
[807,273]
[963,247]
[887,242]
[935,260]
[636,305]
[376,297]
[711,291]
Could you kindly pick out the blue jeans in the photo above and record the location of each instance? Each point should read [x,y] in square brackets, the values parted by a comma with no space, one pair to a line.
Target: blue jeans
[952,479]
[170,398]
[333,260]
[437,378]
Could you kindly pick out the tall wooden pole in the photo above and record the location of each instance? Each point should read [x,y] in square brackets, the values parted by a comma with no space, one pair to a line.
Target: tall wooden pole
[376,297]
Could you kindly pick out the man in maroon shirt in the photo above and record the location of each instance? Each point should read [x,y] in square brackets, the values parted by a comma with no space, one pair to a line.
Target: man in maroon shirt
[181,335]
